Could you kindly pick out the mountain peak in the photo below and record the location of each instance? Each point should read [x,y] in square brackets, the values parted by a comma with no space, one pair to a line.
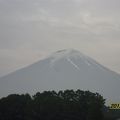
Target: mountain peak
[69,54]
[66,53]
[67,50]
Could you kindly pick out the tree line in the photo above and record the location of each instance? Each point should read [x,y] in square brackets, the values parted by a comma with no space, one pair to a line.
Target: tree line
[51,105]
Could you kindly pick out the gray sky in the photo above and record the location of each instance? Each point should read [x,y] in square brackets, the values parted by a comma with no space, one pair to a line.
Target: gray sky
[31,29]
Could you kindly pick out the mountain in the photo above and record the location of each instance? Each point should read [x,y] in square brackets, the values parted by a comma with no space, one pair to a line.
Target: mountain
[64,69]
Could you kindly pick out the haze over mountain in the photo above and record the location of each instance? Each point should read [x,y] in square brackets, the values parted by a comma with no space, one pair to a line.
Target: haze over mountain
[64,69]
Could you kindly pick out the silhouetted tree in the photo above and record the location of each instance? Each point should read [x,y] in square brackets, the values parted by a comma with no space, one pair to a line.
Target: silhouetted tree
[51,105]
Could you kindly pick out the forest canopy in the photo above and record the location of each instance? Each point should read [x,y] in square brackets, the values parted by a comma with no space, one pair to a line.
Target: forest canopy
[51,105]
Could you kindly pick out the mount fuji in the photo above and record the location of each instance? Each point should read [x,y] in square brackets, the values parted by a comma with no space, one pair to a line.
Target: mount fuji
[64,69]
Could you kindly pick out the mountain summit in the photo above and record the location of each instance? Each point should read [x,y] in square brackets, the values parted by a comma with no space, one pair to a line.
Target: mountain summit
[64,69]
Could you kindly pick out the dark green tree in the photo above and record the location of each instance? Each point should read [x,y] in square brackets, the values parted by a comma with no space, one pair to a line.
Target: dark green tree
[51,105]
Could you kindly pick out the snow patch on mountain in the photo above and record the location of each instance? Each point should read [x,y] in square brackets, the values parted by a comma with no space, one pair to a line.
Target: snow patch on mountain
[69,60]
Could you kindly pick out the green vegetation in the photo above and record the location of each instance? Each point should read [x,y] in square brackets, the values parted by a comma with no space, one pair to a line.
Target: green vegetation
[51,105]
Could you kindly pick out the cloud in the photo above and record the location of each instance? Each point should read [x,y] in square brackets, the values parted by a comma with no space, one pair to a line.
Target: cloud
[30,27]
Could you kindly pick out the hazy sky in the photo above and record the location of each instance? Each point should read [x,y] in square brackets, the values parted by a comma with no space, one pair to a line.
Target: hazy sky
[31,29]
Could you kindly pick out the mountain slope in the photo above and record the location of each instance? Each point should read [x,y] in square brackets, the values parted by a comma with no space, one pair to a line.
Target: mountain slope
[65,69]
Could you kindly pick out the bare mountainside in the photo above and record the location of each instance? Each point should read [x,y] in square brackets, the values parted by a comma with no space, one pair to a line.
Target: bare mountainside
[64,69]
